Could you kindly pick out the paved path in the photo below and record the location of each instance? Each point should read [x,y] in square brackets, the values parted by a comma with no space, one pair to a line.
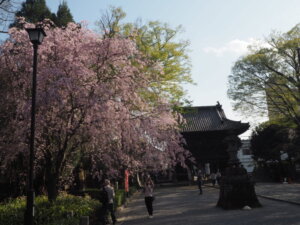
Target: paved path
[283,192]
[183,206]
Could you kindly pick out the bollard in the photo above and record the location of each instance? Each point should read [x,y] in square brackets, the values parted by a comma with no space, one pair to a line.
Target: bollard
[84,220]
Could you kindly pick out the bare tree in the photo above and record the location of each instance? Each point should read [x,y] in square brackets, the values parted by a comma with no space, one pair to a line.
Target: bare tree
[7,11]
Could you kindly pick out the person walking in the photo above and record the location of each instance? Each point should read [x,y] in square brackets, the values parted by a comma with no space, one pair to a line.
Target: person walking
[108,205]
[200,181]
[149,198]
[213,178]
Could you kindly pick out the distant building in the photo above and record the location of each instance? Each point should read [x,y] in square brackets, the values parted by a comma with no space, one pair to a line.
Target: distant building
[211,137]
[245,156]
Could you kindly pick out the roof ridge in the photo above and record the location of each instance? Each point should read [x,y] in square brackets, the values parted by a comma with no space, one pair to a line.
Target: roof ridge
[210,118]
[206,106]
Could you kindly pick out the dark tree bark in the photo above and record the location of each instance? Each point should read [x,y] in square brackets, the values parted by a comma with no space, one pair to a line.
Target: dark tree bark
[51,182]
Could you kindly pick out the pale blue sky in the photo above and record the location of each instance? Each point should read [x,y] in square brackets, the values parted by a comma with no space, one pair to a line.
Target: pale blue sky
[218,30]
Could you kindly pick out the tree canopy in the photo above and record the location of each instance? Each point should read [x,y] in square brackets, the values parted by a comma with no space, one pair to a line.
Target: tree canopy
[267,81]
[268,142]
[33,12]
[275,150]
[63,15]
[159,43]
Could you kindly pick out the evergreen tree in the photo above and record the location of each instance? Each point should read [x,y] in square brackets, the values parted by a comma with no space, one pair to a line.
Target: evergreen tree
[34,11]
[63,15]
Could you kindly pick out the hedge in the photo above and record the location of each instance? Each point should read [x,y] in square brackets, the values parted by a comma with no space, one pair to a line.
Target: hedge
[120,196]
[66,210]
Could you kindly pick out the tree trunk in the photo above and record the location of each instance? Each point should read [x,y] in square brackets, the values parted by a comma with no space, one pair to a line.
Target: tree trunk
[51,183]
[189,173]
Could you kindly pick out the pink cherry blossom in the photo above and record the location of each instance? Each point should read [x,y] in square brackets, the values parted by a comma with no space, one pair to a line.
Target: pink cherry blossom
[89,104]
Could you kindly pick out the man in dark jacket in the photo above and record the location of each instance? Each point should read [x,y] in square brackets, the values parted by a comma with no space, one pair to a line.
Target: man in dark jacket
[108,203]
[200,180]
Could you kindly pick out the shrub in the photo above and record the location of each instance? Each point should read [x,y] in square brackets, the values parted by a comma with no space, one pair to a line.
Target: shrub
[94,193]
[132,190]
[120,196]
[66,210]
[12,213]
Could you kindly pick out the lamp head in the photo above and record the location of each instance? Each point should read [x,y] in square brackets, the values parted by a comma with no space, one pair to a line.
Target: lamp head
[36,35]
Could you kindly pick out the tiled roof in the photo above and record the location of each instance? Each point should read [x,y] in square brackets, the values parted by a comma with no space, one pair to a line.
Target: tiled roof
[210,118]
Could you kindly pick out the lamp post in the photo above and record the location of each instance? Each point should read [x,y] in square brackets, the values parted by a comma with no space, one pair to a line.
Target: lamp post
[36,36]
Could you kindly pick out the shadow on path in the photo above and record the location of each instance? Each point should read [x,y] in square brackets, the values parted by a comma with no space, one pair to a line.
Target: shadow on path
[184,206]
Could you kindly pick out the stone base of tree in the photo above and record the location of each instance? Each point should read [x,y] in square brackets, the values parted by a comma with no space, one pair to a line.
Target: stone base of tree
[237,190]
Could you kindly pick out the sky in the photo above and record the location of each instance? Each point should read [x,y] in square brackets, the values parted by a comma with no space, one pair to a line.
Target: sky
[218,30]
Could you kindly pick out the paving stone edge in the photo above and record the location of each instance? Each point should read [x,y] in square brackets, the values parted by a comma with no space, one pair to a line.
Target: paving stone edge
[266,197]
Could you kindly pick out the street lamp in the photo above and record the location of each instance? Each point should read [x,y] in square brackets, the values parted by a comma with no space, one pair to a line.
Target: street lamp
[36,36]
